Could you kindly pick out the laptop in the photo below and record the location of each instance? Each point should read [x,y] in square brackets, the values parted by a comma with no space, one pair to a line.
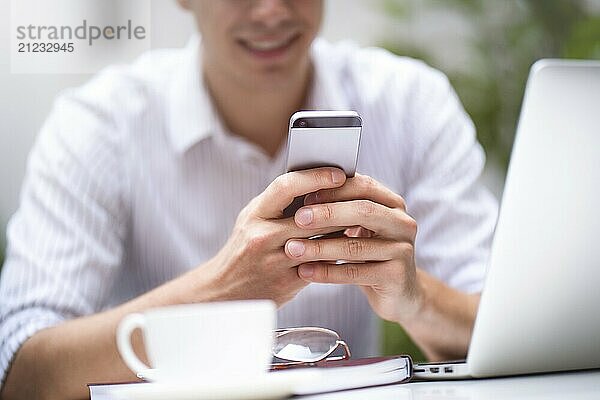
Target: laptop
[540,307]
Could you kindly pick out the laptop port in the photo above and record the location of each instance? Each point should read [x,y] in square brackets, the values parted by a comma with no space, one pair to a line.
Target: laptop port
[434,370]
[448,370]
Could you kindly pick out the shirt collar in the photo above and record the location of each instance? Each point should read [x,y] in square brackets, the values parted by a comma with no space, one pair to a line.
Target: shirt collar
[192,116]
[327,92]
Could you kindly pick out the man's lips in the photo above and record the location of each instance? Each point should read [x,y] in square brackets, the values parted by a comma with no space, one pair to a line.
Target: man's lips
[268,47]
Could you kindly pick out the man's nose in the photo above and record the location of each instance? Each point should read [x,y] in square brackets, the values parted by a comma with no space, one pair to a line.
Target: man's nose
[271,13]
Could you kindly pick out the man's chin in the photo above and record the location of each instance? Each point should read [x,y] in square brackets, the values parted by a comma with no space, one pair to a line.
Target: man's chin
[271,81]
[275,77]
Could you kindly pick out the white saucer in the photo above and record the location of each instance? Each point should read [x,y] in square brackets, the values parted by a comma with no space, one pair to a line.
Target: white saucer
[273,385]
[150,375]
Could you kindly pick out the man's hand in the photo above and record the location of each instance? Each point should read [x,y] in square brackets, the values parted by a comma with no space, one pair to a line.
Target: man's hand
[379,250]
[253,264]
[378,247]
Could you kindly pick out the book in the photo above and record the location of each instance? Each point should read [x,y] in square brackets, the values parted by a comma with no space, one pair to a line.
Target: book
[358,373]
[324,377]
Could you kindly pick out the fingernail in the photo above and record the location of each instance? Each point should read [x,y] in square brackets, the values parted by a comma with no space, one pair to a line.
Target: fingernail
[337,176]
[306,271]
[304,216]
[311,198]
[295,248]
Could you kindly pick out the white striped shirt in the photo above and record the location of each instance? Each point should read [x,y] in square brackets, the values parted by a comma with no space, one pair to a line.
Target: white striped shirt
[133,181]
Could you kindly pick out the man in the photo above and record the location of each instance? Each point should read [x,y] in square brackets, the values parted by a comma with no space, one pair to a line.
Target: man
[134,185]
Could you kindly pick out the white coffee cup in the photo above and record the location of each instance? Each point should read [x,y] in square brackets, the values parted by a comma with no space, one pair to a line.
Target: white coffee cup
[201,341]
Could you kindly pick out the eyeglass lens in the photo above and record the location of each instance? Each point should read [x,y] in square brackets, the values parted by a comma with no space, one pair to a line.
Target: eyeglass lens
[304,346]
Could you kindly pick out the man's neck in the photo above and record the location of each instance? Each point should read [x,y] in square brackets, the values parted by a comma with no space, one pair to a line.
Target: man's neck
[260,115]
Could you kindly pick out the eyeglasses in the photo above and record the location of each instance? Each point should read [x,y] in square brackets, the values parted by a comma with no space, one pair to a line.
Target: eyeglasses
[307,345]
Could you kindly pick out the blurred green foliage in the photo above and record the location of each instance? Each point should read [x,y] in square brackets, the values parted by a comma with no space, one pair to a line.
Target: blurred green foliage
[503,40]
[396,341]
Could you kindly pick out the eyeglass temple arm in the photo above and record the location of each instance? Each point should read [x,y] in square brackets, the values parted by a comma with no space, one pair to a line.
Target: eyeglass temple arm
[346,354]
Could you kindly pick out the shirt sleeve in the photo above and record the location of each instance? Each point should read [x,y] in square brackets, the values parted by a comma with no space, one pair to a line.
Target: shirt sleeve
[455,213]
[65,241]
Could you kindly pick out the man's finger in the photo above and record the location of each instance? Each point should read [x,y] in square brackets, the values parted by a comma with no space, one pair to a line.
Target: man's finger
[352,249]
[282,191]
[384,221]
[356,188]
[367,274]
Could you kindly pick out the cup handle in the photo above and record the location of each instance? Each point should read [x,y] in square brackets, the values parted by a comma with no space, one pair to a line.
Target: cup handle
[124,330]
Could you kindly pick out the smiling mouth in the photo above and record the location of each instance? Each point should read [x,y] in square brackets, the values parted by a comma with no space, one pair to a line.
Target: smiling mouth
[268,47]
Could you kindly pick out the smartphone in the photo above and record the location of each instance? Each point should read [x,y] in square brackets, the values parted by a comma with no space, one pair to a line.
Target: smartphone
[322,139]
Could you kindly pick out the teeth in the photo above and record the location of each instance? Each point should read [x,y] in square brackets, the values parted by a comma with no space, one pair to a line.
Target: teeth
[266,45]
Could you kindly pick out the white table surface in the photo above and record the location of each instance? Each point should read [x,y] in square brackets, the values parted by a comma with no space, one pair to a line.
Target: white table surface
[571,385]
